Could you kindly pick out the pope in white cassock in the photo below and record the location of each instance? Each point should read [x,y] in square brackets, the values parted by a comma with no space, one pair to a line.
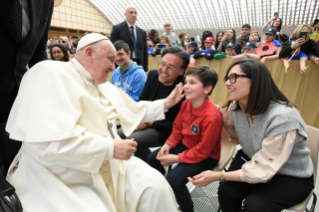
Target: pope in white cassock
[71,158]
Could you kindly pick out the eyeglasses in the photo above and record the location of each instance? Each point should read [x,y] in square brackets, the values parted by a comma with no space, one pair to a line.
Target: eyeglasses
[169,68]
[233,78]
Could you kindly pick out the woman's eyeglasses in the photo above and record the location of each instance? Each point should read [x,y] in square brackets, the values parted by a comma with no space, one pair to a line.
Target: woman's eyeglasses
[233,78]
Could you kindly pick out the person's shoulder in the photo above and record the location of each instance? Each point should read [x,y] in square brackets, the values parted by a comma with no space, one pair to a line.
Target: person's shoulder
[277,43]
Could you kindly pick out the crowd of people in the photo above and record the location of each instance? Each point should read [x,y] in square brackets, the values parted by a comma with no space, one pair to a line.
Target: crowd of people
[91,139]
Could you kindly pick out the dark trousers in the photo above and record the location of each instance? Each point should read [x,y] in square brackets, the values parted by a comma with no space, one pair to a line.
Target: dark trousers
[177,178]
[145,139]
[8,150]
[281,192]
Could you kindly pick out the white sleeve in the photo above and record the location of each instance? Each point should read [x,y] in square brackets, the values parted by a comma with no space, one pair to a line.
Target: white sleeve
[266,162]
[155,111]
[85,152]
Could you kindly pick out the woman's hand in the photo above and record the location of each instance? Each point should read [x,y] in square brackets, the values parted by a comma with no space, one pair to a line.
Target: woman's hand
[166,45]
[175,96]
[298,43]
[205,178]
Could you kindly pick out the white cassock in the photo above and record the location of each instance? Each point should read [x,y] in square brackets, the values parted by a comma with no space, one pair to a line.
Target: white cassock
[66,160]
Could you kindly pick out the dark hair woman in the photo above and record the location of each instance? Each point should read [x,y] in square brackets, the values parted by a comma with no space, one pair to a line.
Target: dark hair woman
[59,52]
[273,170]
[204,36]
[153,35]
[218,39]
[274,22]
[229,37]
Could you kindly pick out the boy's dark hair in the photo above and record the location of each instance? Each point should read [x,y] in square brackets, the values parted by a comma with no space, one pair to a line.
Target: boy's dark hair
[206,75]
[246,26]
[119,44]
[179,52]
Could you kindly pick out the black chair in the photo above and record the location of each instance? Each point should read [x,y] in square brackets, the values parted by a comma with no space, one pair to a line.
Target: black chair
[9,201]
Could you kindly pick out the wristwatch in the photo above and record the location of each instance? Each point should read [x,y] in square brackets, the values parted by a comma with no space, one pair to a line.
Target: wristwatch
[221,177]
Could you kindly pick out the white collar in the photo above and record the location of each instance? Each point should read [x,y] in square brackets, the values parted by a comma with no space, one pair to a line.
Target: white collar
[129,25]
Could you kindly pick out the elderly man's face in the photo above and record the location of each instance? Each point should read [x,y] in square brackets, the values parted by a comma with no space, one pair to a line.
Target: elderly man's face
[131,15]
[103,61]
[170,69]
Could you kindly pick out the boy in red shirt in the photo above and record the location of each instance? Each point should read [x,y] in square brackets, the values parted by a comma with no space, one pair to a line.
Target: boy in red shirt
[195,142]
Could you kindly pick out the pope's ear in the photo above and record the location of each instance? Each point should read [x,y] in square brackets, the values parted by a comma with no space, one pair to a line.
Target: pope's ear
[89,53]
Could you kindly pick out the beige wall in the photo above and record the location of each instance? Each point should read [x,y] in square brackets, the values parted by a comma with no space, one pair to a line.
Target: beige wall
[80,15]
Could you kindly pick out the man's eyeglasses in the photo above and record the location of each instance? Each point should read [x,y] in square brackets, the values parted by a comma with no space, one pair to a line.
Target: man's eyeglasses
[169,68]
[233,77]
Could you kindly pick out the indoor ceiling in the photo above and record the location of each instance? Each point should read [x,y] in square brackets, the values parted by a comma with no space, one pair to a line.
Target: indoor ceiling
[209,14]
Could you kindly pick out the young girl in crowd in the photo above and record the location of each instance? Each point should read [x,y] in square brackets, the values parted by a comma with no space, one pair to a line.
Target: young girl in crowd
[205,35]
[163,44]
[269,38]
[219,37]
[59,52]
[229,37]
[195,141]
[315,34]
[208,52]
[276,23]
[297,55]
[185,40]
[273,170]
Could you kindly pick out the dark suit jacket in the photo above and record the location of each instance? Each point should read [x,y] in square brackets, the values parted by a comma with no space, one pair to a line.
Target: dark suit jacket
[15,56]
[149,93]
[122,32]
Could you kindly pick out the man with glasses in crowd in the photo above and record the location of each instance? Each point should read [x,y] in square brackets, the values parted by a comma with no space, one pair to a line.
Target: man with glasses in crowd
[159,85]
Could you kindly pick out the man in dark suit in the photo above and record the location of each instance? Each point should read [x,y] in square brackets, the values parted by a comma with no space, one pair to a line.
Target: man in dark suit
[24,26]
[159,85]
[134,36]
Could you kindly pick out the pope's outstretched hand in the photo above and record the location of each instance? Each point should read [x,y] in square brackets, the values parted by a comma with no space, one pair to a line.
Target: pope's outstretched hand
[175,96]
[124,149]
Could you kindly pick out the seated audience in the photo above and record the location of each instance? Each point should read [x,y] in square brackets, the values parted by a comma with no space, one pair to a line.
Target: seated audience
[75,40]
[149,46]
[161,46]
[229,37]
[244,36]
[159,84]
[249,52]
[254,37]
[192,48]
[269,45]
[205,35]
[59,52]
[307,46]
[218,39]
[315,34]
[208,52]
[128,76]
[170,32]
[230,52]
[195,141]
[185,40]
[273,170]
[153,35]
[180,37]
[276,23]
[296,54]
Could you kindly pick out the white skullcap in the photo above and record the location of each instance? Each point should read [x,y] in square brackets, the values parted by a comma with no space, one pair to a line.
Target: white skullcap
[89,39]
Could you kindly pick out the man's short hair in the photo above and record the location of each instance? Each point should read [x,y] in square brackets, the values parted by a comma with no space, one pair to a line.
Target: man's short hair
[75,36]
[179,52]
[246,26]
[167,24]
[119,44]
[206,75]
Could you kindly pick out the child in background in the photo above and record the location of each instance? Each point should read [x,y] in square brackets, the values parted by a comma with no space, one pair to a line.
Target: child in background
[249,52]
[254,37]
[195,142]
[269,38]
[298,55]
[192,48]
[229,52]
[208,53]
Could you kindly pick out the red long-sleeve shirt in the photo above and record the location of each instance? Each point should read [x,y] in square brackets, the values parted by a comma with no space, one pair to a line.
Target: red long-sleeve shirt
[199,129]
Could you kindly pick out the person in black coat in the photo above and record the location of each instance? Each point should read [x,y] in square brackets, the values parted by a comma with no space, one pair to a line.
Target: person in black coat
[159,85]
[122,31]
[24,34]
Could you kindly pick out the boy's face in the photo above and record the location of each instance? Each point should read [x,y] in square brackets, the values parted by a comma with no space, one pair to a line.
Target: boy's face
[268,37]
[194,90]
[251,50]
[190,49]
[230,51]
[208,45]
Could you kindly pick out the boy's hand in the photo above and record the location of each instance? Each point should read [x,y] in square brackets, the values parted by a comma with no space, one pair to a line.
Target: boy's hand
[167,160]
[263,60]
[164,150]
[303,69]
[287,67]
